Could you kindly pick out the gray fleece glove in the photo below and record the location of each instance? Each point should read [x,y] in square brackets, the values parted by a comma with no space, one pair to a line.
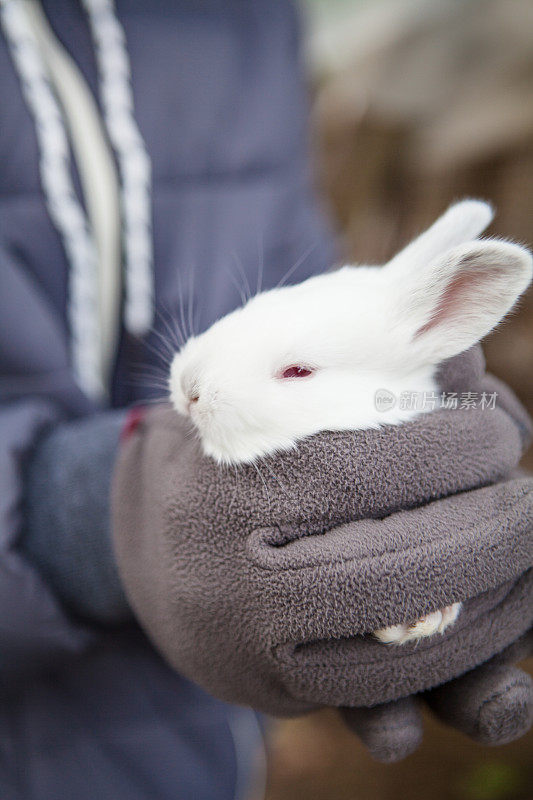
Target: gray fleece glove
[492,704]
[263,585]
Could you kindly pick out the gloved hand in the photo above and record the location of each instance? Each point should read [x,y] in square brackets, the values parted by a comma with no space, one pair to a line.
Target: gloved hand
[263,583]
[492,704]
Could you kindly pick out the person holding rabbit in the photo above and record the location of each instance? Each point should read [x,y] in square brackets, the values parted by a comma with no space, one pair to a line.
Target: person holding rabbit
[155,165]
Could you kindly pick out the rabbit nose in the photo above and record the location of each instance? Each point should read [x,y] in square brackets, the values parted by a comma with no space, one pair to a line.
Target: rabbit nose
[191,400]
[189,387]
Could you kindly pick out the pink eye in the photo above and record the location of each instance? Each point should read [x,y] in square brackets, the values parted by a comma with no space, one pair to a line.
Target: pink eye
[296,372]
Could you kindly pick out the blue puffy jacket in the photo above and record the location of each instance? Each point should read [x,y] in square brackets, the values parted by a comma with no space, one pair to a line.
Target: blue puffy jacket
[219,104]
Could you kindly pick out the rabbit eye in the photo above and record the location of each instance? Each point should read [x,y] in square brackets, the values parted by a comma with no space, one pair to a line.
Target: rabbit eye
[296,371]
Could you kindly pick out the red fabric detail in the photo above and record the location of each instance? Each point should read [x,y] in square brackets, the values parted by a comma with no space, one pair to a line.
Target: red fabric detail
[133,419]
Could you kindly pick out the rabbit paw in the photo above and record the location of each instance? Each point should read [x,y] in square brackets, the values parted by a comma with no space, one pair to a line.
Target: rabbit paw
[437,622]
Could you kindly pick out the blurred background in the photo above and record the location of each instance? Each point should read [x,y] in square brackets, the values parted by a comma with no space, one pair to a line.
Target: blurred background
[416,103]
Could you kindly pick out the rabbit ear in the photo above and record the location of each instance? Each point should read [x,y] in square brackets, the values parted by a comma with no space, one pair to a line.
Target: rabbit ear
[458,298]
[461,223]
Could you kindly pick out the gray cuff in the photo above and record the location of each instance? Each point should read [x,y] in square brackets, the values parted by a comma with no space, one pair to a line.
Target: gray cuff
[67,533]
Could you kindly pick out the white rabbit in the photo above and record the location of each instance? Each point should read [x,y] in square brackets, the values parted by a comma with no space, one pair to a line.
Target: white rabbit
[301,359]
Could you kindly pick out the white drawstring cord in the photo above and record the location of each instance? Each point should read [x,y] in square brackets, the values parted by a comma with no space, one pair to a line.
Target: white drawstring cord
[134,163]
[65,211]
[91,355]
[98,179]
